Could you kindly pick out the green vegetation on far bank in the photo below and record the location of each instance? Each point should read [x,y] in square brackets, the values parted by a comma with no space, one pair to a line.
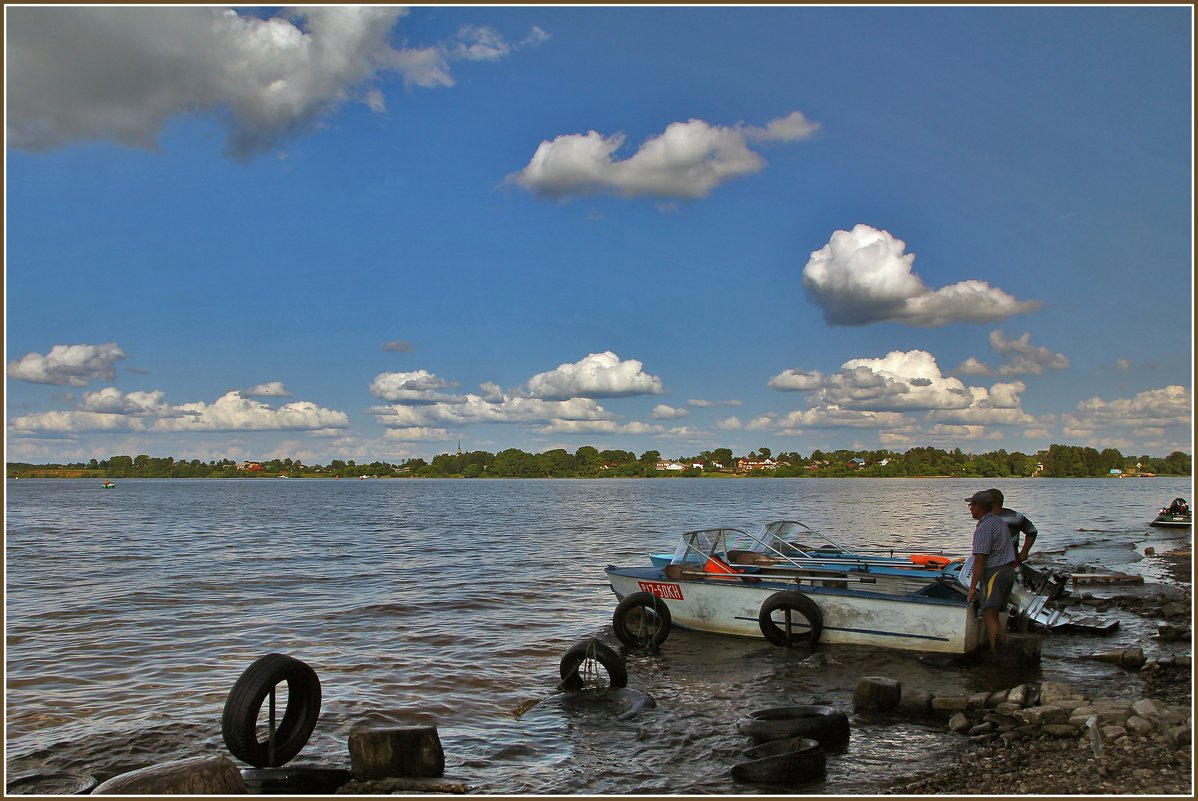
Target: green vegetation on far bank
[1057,461]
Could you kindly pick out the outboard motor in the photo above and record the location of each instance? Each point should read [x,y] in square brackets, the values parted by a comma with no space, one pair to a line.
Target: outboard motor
[1053,585]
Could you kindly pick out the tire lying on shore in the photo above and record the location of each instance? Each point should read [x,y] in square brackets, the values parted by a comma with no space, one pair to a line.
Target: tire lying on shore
[239,723]
[828,726]
[642,620]
[295,780]
[792,761]
[50,782]
[576,673]
[790,618]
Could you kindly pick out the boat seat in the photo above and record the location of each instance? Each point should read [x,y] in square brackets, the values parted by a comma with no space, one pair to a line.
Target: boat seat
[749,558]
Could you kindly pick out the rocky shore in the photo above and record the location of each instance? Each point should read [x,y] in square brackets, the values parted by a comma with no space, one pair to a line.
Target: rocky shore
[1047,739]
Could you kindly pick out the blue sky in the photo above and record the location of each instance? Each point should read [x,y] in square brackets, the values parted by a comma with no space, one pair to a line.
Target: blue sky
[373,233]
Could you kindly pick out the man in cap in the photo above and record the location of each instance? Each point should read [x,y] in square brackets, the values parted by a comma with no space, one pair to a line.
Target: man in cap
[1017,523]
[993,562]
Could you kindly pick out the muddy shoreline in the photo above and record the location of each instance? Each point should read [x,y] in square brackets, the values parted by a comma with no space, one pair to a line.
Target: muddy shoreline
[1156,762]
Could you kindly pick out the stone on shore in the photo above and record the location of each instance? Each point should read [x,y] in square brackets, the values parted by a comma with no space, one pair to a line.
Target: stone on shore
[202,775]
[1064,743]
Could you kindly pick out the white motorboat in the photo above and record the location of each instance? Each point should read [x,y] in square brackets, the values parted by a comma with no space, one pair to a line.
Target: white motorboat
[769,584]
[728,581]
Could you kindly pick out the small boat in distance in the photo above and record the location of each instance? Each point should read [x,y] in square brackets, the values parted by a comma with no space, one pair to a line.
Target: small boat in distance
[1176,515]
[107,485]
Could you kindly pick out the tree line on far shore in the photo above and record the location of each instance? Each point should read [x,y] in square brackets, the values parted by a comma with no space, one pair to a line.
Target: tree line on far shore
[1057,461]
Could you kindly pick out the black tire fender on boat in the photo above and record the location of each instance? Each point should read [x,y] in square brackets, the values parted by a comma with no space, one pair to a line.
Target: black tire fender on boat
[240,719]
[633,620]
[617,674]
[830,727]
[790,601]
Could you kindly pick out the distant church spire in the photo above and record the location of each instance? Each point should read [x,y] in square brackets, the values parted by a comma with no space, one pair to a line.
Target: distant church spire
[459,447]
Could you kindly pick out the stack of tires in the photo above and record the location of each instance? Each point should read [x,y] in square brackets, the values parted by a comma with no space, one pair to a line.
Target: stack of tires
[792,743]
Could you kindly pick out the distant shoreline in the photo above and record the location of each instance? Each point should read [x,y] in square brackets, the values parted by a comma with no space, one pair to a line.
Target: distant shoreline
[76,475]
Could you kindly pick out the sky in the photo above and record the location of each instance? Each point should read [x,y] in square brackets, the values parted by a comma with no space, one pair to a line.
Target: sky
[382,233]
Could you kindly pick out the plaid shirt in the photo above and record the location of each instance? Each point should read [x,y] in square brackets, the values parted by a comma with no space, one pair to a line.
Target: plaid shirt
[992,540]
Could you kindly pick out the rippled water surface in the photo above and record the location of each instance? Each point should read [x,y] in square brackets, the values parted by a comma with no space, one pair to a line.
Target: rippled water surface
[131,612]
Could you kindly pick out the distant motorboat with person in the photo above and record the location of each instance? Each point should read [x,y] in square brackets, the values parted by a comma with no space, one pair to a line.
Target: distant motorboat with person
[1176,515]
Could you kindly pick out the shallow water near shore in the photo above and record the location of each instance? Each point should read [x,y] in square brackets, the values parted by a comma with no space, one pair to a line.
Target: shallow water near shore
[132,611]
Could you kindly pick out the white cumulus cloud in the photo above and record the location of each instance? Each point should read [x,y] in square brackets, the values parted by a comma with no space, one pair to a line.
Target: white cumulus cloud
[664,411]
[701,403]
[270,389]
[232,412]
[900,380]
[1154,408]
[686,161]
[473,409]
[70,365]
[865,276]
[904,396]
[597,375]
[1019,355]
[416,386]
[119,73]
[110,410]
[416,434]
[796,380]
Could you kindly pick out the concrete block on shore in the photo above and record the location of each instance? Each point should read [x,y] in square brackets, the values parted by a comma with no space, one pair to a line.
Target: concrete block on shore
[950,703]
[1017,650]
[202,775]
[1052,691]
[876,694]
[915,704]
[386,752]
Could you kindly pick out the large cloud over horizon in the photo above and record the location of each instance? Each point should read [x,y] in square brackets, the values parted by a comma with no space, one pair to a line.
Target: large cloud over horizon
[560,401]
[686,161]
[109,409]
[119,73]
[865,276]
[901,393]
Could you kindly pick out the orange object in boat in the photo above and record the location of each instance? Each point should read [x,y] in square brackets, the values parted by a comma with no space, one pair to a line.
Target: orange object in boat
[715,565]
[931,560]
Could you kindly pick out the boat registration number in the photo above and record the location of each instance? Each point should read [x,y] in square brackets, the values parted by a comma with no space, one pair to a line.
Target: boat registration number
[662,590]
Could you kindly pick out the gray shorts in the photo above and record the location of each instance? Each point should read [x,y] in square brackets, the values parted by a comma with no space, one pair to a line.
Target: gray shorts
[996,586]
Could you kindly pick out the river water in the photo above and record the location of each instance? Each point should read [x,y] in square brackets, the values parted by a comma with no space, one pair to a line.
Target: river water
[131,612]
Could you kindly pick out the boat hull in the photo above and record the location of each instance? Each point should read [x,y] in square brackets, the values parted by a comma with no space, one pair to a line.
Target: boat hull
[1172,521]
[850,615]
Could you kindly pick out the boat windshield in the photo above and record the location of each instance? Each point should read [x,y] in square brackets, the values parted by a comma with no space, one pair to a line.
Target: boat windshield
[698,546]
[777,540]
[784,542]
